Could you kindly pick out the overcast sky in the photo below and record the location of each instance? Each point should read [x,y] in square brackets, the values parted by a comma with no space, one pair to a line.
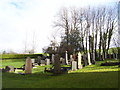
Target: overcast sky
[19,19]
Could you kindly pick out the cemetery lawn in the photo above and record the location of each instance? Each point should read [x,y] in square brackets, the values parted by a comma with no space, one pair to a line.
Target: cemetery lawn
[93,76]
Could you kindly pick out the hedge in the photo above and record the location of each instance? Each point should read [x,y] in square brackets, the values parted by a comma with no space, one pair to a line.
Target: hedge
[21,56]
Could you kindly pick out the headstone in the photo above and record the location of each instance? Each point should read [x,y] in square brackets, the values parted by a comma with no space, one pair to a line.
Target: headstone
[62,60]
[39,60]
[89,62]
[9,69]
[57,67]
[42,62]
[33,61]
[71,58]
[74,65]
[47,61]
[79,61]
[66,58]
[28,66]
[53,58]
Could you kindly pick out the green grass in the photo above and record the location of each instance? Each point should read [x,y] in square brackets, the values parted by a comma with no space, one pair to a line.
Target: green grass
[93,76]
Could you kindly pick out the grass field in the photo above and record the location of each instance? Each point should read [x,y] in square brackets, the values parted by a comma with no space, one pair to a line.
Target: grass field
[92,76]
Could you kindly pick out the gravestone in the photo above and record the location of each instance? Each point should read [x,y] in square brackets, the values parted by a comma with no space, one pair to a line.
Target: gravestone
[66,58]
[42,62]
[39,60]
[57,67]
[62,60]
[71,58]
[89,62]
[8,69]
[53,58]
[47,61]
[11,68]
[28,66]
[74,65]
[79,61]
[33,61]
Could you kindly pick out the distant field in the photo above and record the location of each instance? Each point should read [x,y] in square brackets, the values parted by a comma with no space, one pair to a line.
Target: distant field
[93,76]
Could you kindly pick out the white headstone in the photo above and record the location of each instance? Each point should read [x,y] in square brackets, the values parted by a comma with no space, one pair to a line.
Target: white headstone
[33,60]
[74,65]
[66,58]
[79,61]
[28,66]
[47,61]
[89,62]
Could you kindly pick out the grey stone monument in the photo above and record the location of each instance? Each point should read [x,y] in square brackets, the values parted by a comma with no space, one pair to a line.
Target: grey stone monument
[57,66]
[28,66]
[79,61]
[74,65]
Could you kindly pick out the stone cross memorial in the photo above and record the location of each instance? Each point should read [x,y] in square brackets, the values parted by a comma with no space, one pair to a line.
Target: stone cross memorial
[89,62]
[28,66]
[79,61]
[74,65]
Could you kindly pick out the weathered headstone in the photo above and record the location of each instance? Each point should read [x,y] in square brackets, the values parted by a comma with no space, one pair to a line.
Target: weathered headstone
[89,62]
[42,62]
[74,65]
[66,58]
[47,61]
[53,58]
[28,66]
[57,67]
[79,61]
